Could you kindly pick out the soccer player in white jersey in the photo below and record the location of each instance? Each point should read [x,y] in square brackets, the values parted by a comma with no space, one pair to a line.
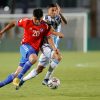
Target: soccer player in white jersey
[54,19]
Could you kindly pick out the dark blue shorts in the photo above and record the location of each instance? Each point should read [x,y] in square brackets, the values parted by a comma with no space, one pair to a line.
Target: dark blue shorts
[26,50]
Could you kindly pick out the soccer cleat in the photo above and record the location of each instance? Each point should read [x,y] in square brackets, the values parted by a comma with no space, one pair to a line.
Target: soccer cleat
[45,82]
[20,84]
[16,81]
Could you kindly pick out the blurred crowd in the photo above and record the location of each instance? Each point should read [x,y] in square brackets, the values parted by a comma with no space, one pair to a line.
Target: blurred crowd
[24,5]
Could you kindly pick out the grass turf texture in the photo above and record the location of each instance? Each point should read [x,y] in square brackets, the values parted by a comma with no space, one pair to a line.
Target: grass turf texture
[79,74]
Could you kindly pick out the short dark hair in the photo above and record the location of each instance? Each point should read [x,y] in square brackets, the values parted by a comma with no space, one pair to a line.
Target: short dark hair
[38,13]
[52,5]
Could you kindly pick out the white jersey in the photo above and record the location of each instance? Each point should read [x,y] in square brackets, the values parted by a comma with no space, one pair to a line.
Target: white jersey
[55,22]
[47,52]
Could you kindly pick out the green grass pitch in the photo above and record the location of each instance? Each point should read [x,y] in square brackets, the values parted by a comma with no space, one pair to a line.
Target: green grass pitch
[78,72]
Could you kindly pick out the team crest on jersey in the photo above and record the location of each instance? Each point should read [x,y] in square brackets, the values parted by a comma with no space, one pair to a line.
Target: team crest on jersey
[41,29]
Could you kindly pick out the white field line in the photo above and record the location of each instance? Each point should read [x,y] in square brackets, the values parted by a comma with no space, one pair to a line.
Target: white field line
[87,64]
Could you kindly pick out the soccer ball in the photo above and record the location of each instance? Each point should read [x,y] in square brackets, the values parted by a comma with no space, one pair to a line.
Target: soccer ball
[53,83]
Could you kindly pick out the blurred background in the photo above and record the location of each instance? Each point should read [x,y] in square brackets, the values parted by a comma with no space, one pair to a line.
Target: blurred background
[82,33]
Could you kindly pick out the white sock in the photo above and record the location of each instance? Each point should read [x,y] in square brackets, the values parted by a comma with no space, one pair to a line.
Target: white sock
[32,74]
[53,65]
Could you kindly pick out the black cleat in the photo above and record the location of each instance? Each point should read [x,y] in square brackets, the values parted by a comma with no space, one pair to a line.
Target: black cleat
[45,82]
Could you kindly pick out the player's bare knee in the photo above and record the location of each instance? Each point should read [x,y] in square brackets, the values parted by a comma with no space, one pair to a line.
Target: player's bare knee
[33,58]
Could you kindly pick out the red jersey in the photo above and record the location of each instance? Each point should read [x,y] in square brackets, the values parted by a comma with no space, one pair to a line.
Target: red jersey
[33,34]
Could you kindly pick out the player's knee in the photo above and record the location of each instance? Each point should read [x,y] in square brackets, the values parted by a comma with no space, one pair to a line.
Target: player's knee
[33,58]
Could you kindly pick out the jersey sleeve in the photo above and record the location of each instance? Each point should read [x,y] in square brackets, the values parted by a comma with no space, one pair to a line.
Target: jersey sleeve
[22,22]
[58,19]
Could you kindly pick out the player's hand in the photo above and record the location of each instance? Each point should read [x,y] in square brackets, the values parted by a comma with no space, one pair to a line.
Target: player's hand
[61,35]
[58,8]
[57,51]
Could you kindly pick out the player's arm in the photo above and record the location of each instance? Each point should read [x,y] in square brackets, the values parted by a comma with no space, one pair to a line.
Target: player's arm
[50,41]
[52,30]
[63,19]
[61,35]
[9,26]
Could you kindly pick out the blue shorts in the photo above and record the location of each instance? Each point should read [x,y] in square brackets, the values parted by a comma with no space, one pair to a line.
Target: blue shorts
[26,50]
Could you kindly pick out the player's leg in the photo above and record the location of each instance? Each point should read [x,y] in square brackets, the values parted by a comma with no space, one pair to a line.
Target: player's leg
[43,61]
[28,64]
[56,58]
[31,75]
[26,67]
[31,55]
[10,77]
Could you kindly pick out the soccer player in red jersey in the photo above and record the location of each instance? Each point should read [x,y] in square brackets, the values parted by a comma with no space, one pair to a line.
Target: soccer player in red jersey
[48,56]
[35,30]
